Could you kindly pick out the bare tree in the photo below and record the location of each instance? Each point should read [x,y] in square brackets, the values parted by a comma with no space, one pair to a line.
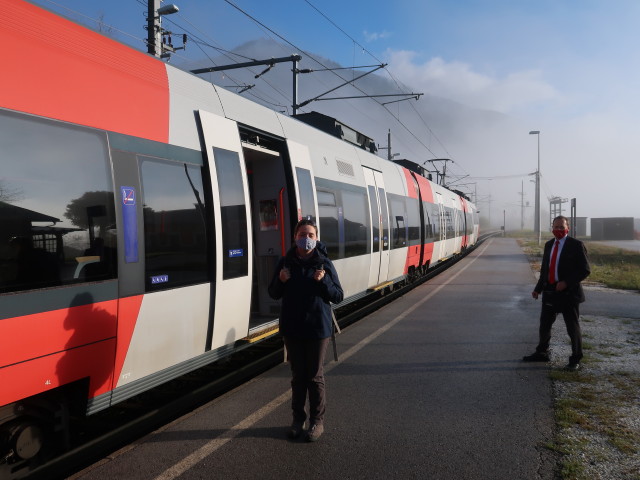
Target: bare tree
[9,194]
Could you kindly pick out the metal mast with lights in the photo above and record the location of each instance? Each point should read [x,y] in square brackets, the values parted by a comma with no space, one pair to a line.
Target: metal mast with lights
[155,43]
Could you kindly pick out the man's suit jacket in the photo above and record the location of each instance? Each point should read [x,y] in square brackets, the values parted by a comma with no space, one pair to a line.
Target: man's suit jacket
[573,267]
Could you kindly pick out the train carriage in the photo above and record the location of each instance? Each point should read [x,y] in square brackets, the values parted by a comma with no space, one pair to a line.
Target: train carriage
[142,212]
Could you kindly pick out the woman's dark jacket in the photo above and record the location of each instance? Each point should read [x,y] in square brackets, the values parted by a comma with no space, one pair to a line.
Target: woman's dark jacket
[306,311]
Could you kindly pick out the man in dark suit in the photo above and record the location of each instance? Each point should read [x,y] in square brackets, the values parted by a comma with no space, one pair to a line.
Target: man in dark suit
[564,266]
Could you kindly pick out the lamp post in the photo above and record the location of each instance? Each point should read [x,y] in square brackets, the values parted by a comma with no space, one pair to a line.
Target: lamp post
[536,221]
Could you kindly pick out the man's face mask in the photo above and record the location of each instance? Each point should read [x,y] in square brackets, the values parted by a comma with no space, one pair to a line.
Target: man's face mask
[560,232]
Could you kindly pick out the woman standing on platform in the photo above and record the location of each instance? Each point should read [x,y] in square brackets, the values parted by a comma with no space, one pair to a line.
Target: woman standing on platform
[307,282]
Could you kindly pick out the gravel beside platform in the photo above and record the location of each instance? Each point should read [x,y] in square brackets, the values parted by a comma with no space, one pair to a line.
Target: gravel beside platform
[598,407]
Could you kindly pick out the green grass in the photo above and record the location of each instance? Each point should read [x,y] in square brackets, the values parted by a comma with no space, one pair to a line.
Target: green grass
[610,266]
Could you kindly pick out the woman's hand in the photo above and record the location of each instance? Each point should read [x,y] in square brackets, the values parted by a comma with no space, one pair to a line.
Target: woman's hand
[285,275]
[318,275]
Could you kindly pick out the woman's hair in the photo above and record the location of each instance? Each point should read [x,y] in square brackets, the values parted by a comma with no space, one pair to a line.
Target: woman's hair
[304,222]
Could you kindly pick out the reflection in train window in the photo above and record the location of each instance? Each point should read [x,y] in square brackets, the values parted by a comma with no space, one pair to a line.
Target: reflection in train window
[385,219]
[235,237]
[174,224]
[305,188]
[356,223]
[56,204]
[375,219]
[329,231]
[413,221]
[397,211]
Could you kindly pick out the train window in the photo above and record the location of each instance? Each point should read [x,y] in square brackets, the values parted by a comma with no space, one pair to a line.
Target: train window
[448,215]
[174,224]
[398,222]
[356,223]
[428,227]
[326,198]
[413,220]
[385,218]
[305,188]
[436,219]
[56,204]
[375,219]
[235,236]
[329,215]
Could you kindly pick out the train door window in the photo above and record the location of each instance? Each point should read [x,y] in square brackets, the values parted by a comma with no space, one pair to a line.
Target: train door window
[329,215]
[385,219]
[235,237]
[448,215]
[413,221]
[174,224]
[375,218]
[435,217]
[398,222]
[305,188]
[356,223]
[57,211]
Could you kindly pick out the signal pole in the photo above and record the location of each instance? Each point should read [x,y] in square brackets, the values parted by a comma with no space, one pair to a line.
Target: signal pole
[153,28]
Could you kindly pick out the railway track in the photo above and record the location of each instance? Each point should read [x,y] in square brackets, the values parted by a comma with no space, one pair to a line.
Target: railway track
[98,436]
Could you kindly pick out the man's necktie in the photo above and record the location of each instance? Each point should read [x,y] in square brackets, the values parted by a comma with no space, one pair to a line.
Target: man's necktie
[552,265]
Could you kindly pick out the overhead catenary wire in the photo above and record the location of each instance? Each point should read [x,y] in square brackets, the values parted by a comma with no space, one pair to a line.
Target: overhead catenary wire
[196,36]
[394,80]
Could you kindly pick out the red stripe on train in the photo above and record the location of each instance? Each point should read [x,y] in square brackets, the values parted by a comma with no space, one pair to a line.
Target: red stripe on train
[128,310]
[51,349]
[67,72]
[93,361]
[40,334]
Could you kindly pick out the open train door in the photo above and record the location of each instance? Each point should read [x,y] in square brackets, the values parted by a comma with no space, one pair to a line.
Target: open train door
[232,234]
[379,267]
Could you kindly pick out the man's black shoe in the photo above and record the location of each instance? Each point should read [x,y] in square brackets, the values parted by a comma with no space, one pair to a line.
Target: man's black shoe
[572,367]
[536,357]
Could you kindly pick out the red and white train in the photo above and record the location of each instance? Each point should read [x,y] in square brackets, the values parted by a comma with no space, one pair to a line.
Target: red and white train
[142,211]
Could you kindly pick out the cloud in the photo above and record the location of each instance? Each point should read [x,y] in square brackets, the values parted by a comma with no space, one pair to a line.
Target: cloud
[458,81]
[372,37]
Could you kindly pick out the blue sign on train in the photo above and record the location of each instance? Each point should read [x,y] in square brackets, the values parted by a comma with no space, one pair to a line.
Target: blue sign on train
[128,196]
[130,224]
[236,252]
[159,279]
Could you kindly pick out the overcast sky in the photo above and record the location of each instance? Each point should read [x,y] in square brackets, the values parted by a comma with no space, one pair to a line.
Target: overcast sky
[567,68]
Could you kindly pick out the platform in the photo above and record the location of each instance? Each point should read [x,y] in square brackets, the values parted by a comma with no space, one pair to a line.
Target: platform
[430,387]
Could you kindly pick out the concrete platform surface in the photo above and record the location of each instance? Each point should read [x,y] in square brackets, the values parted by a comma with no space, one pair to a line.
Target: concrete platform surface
[429,387]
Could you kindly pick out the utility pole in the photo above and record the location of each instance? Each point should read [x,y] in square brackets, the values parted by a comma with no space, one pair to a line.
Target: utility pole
[156,45]
[522,206]
[388,147]
[536,221]
[154,39]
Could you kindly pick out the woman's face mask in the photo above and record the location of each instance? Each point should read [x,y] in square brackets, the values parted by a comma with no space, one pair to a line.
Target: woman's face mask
[306,243]
[306,237]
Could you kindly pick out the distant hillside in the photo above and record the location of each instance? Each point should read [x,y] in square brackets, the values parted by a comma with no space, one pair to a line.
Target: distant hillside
[469,135]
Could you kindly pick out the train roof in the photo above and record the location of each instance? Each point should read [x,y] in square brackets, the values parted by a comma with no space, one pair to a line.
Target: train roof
[338,129]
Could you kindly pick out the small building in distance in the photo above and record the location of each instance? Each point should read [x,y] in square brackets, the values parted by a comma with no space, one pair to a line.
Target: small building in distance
[615,228]
[580,227]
